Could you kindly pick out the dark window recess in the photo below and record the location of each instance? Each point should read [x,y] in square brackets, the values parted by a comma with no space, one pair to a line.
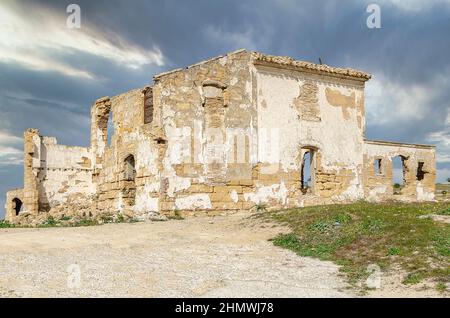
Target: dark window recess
[148,106]
[377,167]
[420,172]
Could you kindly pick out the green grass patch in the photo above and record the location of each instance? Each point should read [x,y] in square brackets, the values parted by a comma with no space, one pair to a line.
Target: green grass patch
[358,235]
[413,278]
[5,224]
[68,221]
[444,211]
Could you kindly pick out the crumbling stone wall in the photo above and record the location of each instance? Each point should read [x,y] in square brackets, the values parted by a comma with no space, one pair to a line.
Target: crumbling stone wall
[379,186]
[227,134]
[137,137]
[57,179]
[206,112]
[14,203]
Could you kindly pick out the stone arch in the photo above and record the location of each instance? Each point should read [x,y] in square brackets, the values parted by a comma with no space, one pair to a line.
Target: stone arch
[129,168]
[129,182]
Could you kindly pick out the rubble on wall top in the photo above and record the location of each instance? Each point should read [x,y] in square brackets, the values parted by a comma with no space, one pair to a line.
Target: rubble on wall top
[102,99]
[289,61]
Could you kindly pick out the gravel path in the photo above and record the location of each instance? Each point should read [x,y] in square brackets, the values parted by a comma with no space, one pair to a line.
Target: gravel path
[196,257]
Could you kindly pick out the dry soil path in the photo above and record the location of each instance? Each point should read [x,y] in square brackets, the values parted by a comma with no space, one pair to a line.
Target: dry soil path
[196,257]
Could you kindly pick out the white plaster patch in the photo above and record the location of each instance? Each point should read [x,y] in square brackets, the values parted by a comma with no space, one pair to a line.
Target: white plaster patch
[234,196]
[193,202]
[264,194]
[146,203]
[423,195]
[374,194]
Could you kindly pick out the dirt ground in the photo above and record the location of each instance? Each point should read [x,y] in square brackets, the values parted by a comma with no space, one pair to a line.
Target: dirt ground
[196,257]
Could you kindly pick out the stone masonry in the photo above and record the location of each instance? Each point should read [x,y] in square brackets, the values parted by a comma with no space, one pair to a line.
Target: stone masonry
[237,132]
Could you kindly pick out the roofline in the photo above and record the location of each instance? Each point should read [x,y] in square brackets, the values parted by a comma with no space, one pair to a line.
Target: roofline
[283,61]
[395,143]
[158,76]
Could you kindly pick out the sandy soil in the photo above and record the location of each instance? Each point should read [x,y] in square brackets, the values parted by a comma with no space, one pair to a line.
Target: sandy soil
[196,257]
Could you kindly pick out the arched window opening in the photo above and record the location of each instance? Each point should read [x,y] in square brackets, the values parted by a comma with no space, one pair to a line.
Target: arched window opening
[17,205]
[307,172]
[129,171]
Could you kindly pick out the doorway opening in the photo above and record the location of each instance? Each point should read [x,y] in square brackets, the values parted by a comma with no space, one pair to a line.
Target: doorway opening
[399,170]
[17,205]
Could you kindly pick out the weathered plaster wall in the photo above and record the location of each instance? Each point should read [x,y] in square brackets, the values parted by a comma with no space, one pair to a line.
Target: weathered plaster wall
[206,112]
[379,187]
[314,111]
[64,174]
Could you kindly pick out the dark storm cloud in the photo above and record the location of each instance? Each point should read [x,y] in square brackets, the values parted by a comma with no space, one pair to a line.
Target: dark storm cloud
[410,50]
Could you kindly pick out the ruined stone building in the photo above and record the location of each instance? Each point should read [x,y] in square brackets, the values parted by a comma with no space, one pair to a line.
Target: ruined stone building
[236,132]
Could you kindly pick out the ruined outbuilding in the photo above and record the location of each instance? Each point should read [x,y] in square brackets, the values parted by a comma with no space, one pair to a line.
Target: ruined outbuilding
[237,132]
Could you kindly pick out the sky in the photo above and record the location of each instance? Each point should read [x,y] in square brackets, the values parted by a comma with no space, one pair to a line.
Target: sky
[50,74]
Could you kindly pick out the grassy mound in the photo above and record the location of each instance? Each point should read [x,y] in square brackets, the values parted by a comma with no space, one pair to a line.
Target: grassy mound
[358,235]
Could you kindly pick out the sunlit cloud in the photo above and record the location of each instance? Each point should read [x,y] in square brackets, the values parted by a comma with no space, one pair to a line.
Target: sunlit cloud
[442,140]
[27,39]
[412,5]
[10,153]
[389,102]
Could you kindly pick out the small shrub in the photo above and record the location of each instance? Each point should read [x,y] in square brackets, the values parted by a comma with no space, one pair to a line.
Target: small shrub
[393,251]
[442,244]
[50,222]
[85,222]
[289,241]
[320,226]
[397,185]
[260,208]
[373,225]
[441,287]
[106,218]
[413,278]
[444,212]
[120,219]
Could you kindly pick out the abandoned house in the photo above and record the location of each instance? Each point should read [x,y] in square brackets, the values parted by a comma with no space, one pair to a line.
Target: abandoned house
[232,133]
